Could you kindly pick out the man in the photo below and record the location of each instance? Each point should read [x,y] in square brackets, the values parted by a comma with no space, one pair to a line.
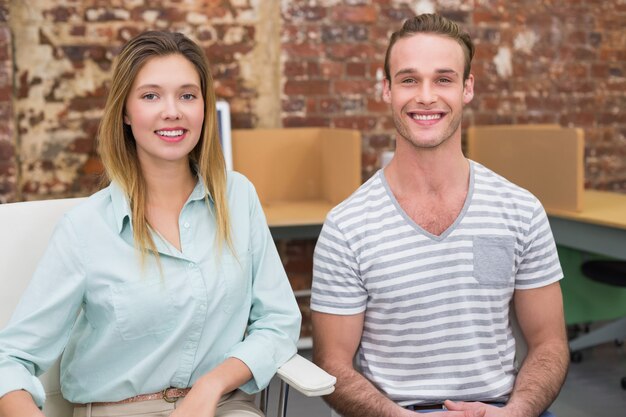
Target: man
[418,268]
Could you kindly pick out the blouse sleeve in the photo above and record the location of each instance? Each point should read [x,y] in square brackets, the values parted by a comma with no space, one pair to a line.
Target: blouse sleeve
[274,323]
[41,324]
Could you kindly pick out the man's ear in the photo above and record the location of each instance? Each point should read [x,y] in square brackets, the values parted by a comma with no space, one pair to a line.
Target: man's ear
[468,89]
[386,91]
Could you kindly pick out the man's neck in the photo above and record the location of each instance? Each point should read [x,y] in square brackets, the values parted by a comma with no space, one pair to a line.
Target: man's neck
[427,171]
[431,185]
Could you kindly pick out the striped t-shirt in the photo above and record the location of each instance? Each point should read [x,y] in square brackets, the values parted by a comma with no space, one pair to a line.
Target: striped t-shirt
[436,307]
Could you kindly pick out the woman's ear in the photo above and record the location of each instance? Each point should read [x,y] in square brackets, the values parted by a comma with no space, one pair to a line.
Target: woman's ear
[126,120]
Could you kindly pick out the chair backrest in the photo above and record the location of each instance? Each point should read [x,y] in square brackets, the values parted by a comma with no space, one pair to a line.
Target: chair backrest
[26,230]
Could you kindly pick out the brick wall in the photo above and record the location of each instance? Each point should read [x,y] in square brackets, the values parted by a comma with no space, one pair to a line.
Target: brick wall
[8,157]
[62,63]
[303,63]
[559,61]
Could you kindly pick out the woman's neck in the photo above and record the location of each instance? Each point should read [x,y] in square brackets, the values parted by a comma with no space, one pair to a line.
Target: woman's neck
[170,185]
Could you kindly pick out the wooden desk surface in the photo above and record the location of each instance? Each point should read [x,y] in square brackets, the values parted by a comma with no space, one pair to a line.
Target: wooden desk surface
[301,213]
[603,208]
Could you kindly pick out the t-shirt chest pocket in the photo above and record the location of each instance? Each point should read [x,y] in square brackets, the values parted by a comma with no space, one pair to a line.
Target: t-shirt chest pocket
[493,260]
[144,307]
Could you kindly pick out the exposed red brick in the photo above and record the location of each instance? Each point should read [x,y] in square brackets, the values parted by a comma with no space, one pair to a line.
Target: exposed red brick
[354,14]
[307,87]
[330,105]
[6,151]
[350,51]
[312,121]
[332,70]
[379,141]
[354,86]
[304,13]
[303,50]
[226,53]
[377,106]
[93,166]
[356,122]
[293,105]
[356,69]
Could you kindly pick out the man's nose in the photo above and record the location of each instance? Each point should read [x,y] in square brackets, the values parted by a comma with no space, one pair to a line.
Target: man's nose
[425,94]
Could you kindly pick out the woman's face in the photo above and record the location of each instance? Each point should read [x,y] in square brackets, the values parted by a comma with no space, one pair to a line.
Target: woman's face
[165,111]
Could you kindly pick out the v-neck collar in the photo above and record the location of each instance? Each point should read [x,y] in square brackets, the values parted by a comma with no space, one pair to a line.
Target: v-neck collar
[410,221]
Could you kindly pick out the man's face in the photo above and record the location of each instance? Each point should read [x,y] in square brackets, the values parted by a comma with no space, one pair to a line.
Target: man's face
[426,91]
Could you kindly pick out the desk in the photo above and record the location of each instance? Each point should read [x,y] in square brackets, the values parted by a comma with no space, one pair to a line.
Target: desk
[596,232]
[599,228]
[296,220]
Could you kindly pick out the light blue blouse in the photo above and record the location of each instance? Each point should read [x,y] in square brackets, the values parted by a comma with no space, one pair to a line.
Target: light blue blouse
[140,331]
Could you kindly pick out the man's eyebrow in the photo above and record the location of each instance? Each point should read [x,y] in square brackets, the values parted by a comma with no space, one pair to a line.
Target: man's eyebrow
[405,71]
[447,71]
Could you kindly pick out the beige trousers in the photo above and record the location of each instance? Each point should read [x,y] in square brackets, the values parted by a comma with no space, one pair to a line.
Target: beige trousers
[235,404]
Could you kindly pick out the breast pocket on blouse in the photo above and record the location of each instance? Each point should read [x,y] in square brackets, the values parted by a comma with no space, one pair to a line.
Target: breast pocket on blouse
[493,260]
[142,308]
[236,274]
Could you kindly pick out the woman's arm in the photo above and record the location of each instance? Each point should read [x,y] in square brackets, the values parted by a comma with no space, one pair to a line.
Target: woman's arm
[274,319]
[42,321]
[18,404]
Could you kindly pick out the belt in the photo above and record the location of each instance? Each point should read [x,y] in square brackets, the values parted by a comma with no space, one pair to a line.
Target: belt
[420,407]
[169,395]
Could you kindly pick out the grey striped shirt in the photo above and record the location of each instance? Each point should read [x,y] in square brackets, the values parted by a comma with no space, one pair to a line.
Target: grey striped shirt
[436,307]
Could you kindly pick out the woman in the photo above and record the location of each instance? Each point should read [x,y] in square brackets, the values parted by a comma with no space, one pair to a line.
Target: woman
[173,265]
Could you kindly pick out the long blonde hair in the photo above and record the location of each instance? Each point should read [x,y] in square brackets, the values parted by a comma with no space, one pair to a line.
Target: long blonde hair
[116,143]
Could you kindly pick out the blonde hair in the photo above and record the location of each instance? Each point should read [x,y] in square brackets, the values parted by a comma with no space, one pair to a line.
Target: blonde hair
[117,147]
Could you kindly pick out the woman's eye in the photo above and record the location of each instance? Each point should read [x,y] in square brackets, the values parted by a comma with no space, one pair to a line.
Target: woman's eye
[188,96]
[149,96]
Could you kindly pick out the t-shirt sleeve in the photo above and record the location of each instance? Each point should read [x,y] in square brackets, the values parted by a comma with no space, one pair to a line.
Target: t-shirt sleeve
[337,286]
[539,265]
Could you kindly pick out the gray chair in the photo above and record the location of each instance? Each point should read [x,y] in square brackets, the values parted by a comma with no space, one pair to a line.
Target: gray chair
[26,229]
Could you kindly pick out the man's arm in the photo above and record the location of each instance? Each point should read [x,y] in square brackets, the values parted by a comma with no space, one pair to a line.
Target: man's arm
[335,341]
[539,313]
[540,316]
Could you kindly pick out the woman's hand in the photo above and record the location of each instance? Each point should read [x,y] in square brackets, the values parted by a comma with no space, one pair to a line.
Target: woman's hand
[199,401]
[204,396]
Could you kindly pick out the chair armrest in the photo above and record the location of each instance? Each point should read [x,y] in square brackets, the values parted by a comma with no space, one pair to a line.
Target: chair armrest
[306,377]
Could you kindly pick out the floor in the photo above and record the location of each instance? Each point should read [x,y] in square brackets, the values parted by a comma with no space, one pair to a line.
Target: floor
[592,388]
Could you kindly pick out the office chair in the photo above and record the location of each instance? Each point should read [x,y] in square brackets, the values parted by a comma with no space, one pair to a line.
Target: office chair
[608,272]
[26,229]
